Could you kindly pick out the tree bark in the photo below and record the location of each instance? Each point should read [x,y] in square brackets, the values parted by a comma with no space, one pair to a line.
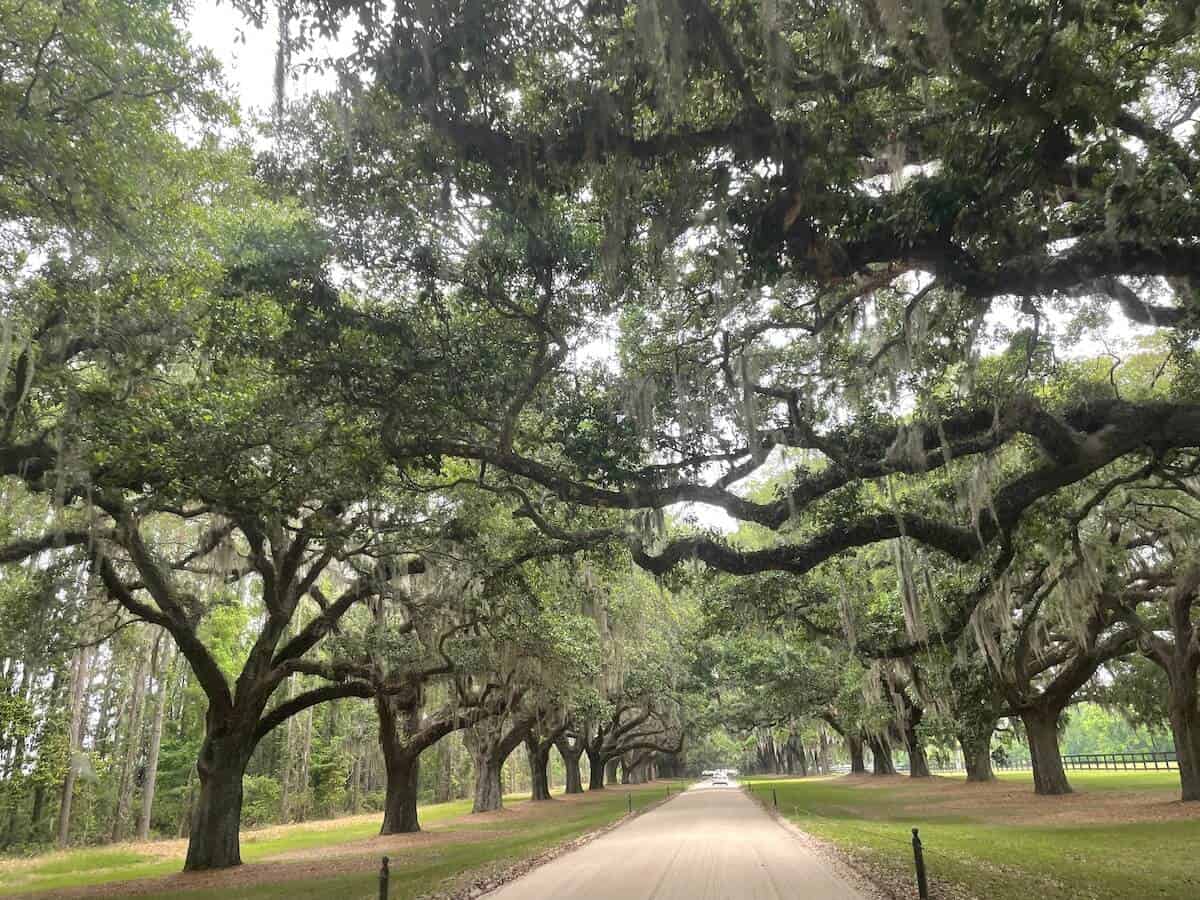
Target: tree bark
[399,720]
[490,746]
[539,765]
[217,812]
[488,789]
[570,757]
[858,765]
[881,752]
[1184,710]
[400,800]
[595,770]
[918,762]
[1041,728]
[977,757]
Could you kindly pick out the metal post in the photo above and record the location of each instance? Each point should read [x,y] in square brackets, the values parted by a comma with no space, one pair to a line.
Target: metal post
[383,880]
[774,798]
[919,858]
[629,797]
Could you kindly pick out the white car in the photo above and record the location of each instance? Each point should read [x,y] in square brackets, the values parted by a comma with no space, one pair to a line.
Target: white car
[720,778]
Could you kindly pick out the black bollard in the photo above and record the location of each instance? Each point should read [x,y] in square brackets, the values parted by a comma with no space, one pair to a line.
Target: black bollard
[919,858]
[629,797]
[383,880]
[774,799]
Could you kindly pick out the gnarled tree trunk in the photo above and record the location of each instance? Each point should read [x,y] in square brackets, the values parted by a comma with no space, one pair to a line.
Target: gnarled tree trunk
[918,762]
[1041,728]
[539,767]
[595,770]
[858,764]
[489,793]
[490,746]
[570,757]
[400,797]
[881,752]
[977,756]
[399,720]
[1184,709]
[213,838]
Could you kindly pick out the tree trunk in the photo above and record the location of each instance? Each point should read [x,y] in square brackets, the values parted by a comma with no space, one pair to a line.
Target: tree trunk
[104,715]
[1041,727]
[301,787]
[217,812]
[881,752]
[570,760]
[858,765]
[79,678]
[977,757]
[133,746]
[285,768]
[1184,708]
[488,788]
[399,722]
[595,770]
[160,708]
[918,763]
[539,765]
[400,800]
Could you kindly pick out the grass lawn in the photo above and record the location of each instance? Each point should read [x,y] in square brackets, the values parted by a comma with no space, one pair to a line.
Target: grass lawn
[1121,835]
[338,858]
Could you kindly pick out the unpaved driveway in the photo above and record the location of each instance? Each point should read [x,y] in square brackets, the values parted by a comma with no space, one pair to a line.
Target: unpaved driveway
[706,844]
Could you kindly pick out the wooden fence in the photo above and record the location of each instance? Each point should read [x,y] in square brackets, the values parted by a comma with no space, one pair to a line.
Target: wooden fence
[1151,759]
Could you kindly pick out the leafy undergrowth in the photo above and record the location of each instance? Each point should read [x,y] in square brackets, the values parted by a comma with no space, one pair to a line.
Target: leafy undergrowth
[1121,835]
[281,862]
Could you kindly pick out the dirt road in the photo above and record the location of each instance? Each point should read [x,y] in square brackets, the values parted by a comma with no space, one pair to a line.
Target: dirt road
[706,844]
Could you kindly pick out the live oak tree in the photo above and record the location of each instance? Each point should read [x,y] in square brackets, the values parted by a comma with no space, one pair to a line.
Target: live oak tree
[173,461]
[765,194]
[1147,529]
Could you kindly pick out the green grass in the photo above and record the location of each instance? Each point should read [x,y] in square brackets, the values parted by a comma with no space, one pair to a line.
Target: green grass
[496,842]
[1009,848]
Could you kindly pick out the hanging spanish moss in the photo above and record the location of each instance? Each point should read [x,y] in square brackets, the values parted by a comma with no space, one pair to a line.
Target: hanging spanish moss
[910,600]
